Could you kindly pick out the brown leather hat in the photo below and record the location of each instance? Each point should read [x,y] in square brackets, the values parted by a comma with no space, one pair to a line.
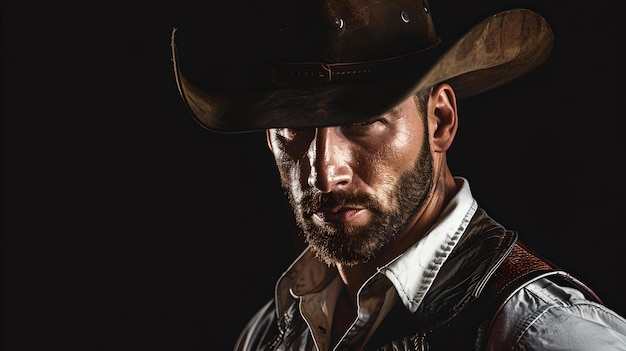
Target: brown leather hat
[332,62]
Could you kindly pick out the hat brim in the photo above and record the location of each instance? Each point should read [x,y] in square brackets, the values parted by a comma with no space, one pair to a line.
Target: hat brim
[495,51]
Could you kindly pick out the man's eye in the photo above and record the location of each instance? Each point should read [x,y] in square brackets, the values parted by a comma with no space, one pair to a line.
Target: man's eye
[369,122]
[365,125]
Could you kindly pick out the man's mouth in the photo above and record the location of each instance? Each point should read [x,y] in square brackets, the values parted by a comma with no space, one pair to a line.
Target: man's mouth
[338,214]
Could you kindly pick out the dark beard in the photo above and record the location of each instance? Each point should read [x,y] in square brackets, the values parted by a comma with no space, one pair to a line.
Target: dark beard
[348,245]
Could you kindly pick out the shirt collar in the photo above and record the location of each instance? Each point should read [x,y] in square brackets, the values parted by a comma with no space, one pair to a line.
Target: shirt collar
[413,272]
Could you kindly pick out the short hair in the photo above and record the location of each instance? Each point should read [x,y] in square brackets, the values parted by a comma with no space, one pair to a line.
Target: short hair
[422,100]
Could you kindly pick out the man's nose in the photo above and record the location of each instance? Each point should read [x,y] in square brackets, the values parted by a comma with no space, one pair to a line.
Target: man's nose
[329,156]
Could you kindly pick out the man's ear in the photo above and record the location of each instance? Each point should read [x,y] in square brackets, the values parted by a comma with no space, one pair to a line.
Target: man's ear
[444,122]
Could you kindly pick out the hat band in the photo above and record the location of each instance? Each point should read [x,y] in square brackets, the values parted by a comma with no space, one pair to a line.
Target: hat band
[307,74]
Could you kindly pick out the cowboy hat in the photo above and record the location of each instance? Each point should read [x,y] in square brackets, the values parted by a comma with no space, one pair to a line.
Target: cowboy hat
[333,62]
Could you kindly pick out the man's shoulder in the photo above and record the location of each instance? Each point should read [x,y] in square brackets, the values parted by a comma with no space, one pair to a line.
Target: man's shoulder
[555,311]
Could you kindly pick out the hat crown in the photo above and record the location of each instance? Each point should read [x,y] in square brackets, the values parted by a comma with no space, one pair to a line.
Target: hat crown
[264,33]
[372,30]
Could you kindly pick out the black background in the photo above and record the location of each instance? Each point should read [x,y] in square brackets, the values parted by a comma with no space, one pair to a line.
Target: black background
[126,226]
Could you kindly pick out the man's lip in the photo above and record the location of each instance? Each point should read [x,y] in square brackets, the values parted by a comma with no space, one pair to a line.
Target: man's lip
[339,214]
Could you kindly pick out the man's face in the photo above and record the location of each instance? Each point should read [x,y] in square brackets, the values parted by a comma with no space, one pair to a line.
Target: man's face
[354,188]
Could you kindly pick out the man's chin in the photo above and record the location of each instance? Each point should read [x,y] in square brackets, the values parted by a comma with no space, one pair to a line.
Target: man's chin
[334,260]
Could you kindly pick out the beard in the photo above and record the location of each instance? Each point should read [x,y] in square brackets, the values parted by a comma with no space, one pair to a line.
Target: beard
[348,245]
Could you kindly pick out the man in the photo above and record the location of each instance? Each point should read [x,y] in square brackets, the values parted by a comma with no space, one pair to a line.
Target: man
[358,100]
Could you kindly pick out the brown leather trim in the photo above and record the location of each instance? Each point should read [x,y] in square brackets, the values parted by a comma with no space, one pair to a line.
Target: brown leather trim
[518,264]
